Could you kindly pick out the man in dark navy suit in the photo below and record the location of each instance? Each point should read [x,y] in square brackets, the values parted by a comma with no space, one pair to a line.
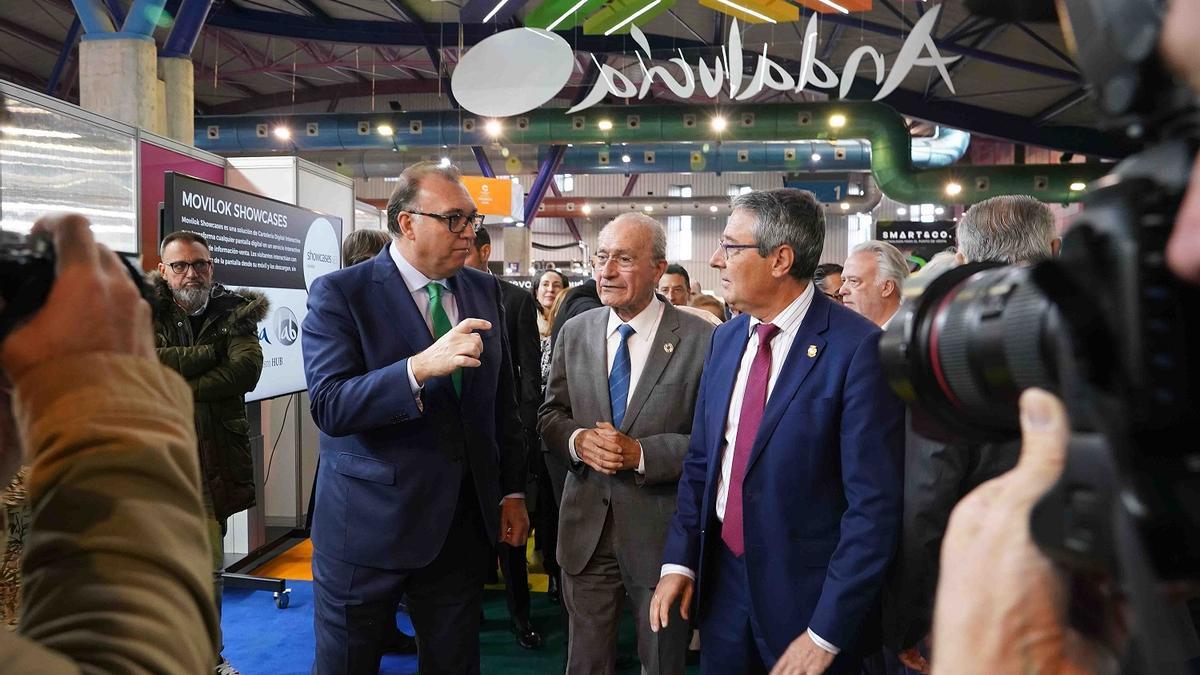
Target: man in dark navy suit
[411,386]
[789,503]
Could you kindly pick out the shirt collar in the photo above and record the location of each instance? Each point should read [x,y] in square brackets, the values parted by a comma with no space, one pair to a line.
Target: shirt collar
[642,324]
[890,318]
[413,278]
[791,316]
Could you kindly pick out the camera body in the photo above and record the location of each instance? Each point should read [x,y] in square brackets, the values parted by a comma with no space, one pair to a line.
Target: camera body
[26,275]
[1107,327]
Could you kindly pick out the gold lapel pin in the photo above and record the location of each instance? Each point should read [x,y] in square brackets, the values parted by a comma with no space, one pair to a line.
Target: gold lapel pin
[812,351]
[668,347]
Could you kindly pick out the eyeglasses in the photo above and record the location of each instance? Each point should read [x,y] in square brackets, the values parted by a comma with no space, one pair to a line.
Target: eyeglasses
[624,262]
[726,248]
[455,222]
[200,267]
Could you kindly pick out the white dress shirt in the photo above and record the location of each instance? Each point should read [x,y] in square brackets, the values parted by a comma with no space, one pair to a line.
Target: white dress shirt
[645,326]
[416,283]
[788,321]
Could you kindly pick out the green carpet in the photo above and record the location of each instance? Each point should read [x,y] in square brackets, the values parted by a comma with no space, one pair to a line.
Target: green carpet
[501,655]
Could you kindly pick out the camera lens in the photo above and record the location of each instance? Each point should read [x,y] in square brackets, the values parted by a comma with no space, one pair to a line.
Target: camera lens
[965,344]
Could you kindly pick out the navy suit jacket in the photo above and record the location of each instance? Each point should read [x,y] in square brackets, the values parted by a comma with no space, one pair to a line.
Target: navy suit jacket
[391,469]
[823,486]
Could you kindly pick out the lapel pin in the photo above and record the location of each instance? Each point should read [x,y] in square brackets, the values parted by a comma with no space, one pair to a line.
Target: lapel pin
[668,347]
[812,351]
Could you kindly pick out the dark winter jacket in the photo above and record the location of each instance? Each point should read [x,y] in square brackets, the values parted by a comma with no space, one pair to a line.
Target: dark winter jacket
[220,364]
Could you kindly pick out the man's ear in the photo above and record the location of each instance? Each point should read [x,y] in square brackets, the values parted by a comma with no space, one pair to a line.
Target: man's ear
[785,257]
[485,253]
[404,223]
[889,288]
[1055,247]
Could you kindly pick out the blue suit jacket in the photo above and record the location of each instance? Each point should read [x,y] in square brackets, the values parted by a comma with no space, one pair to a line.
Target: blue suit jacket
[823,487]
[390,469]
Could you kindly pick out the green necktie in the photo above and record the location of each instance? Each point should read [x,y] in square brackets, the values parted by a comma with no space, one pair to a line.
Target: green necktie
[441,326]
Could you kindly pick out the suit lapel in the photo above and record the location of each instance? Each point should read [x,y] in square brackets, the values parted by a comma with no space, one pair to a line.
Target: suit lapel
[410,326]
[596,354]
[806,349]
[656,363]
[468,307]
[722,373]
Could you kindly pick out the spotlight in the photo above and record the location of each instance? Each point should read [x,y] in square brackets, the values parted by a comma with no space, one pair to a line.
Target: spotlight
[605,125]
[953,189]
[283,133]
[845,206]
[587,209]
[816,157]
[648,209]
[902,211]
[837,121]
[445,162]
[384,130]
[939,211]
[520,223]
[508,219]
[719,123]
[713,208]
[1078,187]
[493,128]
[625,158]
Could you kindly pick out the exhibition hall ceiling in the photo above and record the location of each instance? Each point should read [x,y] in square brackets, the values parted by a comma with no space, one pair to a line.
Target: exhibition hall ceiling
[1014,80]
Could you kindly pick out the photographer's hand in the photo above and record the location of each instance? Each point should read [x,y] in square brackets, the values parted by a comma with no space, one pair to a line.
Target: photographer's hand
[1001,605]
[92,307]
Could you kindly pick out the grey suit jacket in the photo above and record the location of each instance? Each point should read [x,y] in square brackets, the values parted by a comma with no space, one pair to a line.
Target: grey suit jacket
[659,415]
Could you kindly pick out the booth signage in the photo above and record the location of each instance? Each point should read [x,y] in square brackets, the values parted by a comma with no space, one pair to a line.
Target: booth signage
[918,241]
[483,83]
[263,245]
[492,196]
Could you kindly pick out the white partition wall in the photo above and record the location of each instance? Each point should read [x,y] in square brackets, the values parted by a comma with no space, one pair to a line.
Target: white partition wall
[290,437]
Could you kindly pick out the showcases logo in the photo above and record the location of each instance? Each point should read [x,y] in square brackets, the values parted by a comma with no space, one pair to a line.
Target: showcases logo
[287,328]
[518,70]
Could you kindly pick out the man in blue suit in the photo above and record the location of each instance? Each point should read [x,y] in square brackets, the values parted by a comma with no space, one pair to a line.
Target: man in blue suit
[789,503]
[422,452]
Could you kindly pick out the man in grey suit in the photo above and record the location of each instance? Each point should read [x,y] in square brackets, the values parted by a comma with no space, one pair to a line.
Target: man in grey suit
[619,402]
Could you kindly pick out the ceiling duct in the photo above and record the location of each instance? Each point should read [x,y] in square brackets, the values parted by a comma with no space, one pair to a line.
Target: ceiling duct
[891,143]
[603,209]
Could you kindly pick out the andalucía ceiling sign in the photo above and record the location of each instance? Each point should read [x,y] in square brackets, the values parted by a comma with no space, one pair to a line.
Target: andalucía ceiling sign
[518,70]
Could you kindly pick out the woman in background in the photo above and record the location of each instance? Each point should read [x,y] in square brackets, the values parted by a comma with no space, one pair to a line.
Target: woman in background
[549,288]
[362,245]
[548,294]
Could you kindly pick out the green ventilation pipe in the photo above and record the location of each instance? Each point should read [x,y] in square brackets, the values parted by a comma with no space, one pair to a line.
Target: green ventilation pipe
[891,144]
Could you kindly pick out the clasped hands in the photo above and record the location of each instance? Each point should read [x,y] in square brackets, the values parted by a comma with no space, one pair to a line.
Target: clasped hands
[607,450]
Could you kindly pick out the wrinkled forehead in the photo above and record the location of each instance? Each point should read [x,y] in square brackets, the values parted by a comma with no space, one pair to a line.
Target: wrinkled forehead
[442,195]
[184,250]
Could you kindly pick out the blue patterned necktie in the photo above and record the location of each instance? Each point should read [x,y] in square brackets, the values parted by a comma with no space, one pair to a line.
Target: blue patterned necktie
[618,379]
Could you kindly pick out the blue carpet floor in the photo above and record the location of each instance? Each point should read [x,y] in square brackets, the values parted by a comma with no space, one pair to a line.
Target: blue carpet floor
[263,640]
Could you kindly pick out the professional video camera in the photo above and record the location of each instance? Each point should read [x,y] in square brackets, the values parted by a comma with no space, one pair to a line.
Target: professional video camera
[1107,327]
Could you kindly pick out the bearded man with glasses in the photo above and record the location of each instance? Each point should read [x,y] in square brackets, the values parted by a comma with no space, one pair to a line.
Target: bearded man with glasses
[208,334]
[423,456]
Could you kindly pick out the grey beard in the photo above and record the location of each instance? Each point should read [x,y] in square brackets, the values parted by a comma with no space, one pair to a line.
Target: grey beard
[192,299]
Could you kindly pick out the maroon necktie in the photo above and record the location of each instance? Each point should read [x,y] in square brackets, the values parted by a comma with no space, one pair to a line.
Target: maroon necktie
[754,401]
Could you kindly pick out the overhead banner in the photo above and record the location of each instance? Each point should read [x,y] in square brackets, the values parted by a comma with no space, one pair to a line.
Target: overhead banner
[263,245]
[919,241]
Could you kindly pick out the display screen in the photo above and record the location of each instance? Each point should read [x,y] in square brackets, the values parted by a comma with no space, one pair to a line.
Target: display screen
[263,245]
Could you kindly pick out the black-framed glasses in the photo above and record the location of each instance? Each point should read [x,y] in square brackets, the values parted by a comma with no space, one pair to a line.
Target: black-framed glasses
[200,267]
[455,222]
[624,262]
[727,247]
